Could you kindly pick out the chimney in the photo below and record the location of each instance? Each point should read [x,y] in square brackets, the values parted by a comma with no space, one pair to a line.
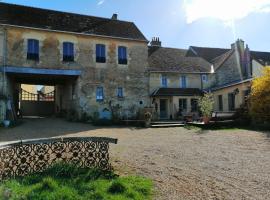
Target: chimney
[155,42]
[114,16]
[239,44]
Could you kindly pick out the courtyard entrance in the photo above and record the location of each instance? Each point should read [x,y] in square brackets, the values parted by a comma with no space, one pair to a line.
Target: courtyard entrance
[53,94]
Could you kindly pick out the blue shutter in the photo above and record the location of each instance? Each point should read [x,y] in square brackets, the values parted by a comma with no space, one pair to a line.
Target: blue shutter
[32,49]
[100,53]
[164,82]
[122,55]
[183,82]
[99,94]
[120,92]
[68,51]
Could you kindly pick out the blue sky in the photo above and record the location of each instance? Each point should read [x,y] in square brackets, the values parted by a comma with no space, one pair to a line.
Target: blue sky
[181,23]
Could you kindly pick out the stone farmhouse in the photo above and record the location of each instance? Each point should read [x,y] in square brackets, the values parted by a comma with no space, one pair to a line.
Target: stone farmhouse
[96,64]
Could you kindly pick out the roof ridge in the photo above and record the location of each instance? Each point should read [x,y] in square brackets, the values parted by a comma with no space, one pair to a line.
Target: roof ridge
[63,12]
[210,47]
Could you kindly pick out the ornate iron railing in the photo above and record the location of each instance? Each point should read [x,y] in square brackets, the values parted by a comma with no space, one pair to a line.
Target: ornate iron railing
[28,96]
[26,157]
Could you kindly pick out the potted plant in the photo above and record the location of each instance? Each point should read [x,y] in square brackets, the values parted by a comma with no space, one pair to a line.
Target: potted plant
[147,119]
[206,107]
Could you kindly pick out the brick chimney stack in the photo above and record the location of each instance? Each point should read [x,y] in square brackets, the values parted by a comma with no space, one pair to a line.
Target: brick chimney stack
[155,42]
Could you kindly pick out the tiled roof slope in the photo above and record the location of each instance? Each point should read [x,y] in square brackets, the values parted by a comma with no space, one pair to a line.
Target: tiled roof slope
[207,53]
[262,57]
[176,60]
[62,21]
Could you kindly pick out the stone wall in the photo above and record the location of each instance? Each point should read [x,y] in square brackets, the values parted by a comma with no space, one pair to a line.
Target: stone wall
[229,72]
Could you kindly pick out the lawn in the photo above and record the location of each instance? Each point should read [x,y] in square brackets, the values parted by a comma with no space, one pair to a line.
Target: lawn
[66,182]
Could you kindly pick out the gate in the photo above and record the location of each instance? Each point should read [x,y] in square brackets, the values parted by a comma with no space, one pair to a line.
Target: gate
[40,104]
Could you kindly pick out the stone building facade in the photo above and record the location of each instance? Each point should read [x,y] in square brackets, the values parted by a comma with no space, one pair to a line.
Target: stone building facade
[78,80]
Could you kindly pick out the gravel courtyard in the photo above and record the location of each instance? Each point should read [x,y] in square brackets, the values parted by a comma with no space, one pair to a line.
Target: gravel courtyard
[184,164]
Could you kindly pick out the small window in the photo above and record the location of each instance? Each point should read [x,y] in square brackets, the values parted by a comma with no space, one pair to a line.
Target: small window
[220,102]
[99,94]
[100,53]
[68,52]
[32,49]
[120,92]
[205,78]
[183,82]
[231,101]
[194,105]
[182,105]
[164,81]
[122,55]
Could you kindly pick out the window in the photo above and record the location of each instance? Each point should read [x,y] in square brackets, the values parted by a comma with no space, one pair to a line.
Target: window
[183,82]
[68,52]
[100,53]
[231,101]
[122,55]
[220,102]
[183,105]
[205,78]
[194,105]
[99,94]
[164,82]
[120,92]
[32,49]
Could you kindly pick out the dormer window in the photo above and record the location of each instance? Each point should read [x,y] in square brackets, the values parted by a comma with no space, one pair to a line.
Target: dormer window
[32,49]
[68,52]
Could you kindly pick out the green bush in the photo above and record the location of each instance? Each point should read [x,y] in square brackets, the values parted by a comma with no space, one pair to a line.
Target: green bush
[206,104]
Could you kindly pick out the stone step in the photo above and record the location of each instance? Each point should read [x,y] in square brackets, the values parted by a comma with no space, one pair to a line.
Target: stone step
[167,122]
[166,125]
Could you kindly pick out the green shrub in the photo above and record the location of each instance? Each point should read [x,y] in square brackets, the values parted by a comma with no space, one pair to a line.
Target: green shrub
[206,104]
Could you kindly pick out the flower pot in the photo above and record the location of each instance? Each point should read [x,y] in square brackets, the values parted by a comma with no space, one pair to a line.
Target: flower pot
[6,123]
[206,119]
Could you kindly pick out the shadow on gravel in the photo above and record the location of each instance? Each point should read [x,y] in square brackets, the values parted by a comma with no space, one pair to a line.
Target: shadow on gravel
[35,128]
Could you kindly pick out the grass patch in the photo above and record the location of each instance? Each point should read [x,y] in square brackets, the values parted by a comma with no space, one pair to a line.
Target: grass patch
[66,182]
[230,125]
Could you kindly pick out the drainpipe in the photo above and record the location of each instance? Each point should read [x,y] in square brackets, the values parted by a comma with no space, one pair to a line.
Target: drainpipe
[4,60]
[4,84]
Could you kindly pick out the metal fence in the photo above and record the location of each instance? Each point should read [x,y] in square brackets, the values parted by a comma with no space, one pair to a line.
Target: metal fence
[27,157]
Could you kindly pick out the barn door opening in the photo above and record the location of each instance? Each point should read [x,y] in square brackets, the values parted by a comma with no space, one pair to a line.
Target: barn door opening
[39,102]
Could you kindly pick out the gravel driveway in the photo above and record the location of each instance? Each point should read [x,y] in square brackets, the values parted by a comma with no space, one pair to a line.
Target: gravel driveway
[184,164]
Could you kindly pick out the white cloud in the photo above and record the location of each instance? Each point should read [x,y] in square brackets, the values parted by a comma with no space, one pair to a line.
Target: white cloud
[100,2]
[225,10]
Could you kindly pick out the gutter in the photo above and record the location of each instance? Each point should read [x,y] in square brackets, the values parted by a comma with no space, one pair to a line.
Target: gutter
[230,85]
[70,32]
[180,72]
